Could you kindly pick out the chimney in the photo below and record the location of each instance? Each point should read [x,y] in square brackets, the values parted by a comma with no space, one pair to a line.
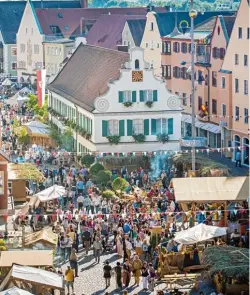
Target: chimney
[123,48]
[84,3]
[82,26]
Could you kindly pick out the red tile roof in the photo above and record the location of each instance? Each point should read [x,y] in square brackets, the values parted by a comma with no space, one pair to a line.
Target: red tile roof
[87,73]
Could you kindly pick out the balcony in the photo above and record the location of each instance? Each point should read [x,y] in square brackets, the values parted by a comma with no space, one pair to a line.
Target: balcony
[204,59]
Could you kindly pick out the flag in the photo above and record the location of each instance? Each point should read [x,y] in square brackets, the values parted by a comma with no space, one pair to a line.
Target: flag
[41,81]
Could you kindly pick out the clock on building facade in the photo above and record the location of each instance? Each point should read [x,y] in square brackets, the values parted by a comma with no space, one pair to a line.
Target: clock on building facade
[137,76]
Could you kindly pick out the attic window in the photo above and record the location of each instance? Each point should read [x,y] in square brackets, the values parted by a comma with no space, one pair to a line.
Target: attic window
[66,28]
[218,30]
[60,15]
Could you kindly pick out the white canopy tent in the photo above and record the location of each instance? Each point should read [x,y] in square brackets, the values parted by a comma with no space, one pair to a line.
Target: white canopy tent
[51,193]
[15,291]
[7,82]
[199,233]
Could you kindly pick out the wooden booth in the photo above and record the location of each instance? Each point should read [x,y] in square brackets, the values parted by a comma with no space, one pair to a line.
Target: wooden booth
[41,240]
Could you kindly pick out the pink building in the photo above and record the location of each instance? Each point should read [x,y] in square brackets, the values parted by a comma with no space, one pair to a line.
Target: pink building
[213,95]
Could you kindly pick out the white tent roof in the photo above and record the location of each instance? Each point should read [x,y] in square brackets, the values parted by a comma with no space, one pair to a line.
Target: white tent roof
[38,127]
[7,82]
[35,275]
[51,193]
[199,233]
[15,291]
[211,189]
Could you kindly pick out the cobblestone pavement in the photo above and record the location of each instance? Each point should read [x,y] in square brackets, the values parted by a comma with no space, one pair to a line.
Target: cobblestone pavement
[91,281]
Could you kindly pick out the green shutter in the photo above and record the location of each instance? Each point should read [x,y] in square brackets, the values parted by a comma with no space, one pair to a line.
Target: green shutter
[121,96]
[121,128]
[146,127]
[170,126]
[129,127]
[91,127]
[155,95]
[104,128]
[153,126]
[133,96]
[141,96]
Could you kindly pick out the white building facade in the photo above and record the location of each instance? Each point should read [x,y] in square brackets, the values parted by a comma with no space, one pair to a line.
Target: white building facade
[137,111]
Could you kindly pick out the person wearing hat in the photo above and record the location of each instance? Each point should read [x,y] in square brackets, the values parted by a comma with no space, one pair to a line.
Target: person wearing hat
[69,278]
[107,273]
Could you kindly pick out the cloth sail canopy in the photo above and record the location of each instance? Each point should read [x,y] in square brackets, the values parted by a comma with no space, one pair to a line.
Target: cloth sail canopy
[15,291]
[199,233]
[51,193]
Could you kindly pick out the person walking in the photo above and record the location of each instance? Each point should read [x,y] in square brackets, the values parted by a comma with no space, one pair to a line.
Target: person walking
[144,274]
[107,273]
[118,272]
[238,159]
[73,261]
[126,274]
[97,245]
[136,266]
[69,278]
[87,237]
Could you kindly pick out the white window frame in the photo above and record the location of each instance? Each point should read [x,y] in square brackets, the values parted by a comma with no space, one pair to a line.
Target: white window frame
[246,88]
[148,95]
[22,47]
[161,126]
[223,77]
[113,127]
[138,126]
[127,96]
[236,118]
[14,63]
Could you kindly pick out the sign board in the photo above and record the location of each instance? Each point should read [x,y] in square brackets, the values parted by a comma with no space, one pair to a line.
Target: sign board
[193,142]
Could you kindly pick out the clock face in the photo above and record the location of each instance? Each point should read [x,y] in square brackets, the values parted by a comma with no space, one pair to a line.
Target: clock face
[137,76]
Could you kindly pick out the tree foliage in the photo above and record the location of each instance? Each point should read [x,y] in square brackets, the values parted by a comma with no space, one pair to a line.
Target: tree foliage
[88,160]
[103,177]
[119,184]
[95,168]
[108,194]
[22,135]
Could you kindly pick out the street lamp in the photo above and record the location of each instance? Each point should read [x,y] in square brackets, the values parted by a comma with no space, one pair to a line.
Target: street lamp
[192,14]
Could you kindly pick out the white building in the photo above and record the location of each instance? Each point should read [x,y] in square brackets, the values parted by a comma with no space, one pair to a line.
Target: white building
[113,95]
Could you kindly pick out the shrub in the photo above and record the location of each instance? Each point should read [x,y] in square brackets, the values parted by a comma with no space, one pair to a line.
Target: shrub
[119,184]
[88,160]
[103,177]
[113,139]
[95,168]
[162,137]
[108,194]
[139,138]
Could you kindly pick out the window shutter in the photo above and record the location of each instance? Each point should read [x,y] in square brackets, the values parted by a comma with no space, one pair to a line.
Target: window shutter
[121,128]
[129,127]
[104,128]
[141,96]
[155,95]
[146,127]
[153,126]
[214,52]
[174,72]
[121,96]
[170,126]
[133,96]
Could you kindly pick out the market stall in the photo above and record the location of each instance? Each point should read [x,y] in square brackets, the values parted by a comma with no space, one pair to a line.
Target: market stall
[51,193]
[41,240]
[33,279]
[15,291]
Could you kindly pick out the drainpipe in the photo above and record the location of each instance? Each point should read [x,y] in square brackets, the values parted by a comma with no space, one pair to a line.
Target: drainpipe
[208,91]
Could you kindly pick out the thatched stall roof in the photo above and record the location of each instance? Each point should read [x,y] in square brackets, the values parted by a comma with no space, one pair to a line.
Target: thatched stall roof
[228,260]
[44,236]
[24,171]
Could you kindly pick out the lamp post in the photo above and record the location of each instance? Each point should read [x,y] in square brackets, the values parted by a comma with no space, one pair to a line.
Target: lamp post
[192,14]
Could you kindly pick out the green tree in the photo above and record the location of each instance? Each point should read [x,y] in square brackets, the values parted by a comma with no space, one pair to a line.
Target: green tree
[103,177]
[119,184]
[94,169]
[108,194]
[88,160]
[67,140]
[22,135]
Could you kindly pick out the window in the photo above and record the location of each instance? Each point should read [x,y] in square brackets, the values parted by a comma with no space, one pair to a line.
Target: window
[36,49]
[223,110]
[14,66]
[245,60]
[184,73]
[236,59]
[214,106]
[59,51]
[166,72]
[161,126]
[56,50]
[184,99]
[138,127]
[214,52]
[176,72]
[236,85]
[127,95]
[148,95]
[158,45]
[146,45]
[137,64]
[13,51]
[218,30]
[166,47]
[245,115]
[125,42]
[239,33]
[176,47]
[199,103]
[248,33]
[222,53]
[152,44]
[237,113]
[66,28]
[113,127]
[214,79]
[223,82]
[184,47]
[22,48]
[129,43]
[151,26]
[26,30]
[245,87]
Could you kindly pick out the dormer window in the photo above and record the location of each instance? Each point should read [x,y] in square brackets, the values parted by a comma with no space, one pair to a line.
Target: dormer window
[137,64]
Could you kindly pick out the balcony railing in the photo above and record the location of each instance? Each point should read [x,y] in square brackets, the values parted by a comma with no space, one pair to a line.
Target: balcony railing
[203,58]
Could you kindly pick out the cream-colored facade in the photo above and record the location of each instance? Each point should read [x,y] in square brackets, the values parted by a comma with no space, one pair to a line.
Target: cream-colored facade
[236,63]
[151,43]
[29,39]
[55,53]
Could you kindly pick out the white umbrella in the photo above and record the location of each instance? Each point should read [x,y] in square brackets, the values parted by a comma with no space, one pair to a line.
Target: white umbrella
[51,193]
[15,291]
[199,233]
[7,82]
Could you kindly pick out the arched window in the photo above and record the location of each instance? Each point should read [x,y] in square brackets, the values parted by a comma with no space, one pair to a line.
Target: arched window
[137,64]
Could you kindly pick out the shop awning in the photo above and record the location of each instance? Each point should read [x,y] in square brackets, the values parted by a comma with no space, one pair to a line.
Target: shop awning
[38,128]
[15,291]
[199,233]
[51,193]
[203,125]
[211,189]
